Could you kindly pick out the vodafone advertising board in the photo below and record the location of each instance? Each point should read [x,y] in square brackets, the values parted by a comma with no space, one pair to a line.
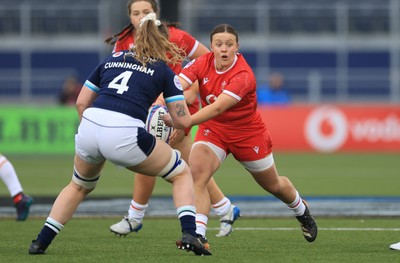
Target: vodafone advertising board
[334,128]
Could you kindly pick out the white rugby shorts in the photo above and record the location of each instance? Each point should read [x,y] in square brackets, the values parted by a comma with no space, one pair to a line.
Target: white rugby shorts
[113,136]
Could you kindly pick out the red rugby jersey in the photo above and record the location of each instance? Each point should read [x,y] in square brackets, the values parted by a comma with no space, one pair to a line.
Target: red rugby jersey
[181,38]
[241,120]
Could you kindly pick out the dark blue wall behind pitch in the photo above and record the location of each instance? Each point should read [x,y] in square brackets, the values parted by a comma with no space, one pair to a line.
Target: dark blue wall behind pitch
[84,62]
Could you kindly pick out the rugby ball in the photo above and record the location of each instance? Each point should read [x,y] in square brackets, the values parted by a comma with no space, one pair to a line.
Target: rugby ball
[155,125]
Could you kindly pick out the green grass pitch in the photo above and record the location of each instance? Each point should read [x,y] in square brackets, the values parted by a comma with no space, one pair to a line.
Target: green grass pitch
[254,239]
[346,174]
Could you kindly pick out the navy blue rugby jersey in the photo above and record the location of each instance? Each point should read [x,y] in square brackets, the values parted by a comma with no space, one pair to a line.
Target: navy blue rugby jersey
[124,85]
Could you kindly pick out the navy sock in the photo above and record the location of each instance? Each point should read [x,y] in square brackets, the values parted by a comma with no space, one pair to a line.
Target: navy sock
[46,236]
[188,224]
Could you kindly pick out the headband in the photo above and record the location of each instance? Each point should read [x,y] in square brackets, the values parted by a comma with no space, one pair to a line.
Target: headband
[150,16]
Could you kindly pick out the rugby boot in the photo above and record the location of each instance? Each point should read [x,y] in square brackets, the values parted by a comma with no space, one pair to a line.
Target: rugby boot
[308,225]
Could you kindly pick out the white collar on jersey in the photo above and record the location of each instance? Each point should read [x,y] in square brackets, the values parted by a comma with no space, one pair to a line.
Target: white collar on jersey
[231,66]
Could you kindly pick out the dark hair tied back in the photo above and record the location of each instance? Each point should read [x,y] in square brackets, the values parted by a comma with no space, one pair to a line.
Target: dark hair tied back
[224,28]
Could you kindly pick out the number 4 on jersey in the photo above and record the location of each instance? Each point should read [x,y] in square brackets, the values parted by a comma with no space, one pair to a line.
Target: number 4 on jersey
[120,82]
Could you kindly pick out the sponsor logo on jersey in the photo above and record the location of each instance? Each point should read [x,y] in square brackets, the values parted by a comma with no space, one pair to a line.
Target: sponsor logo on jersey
[205,80]
[211,98]
[117,54]
[177,83]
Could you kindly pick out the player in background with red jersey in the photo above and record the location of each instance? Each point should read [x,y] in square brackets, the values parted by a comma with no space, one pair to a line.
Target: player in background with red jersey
[144,185]
[229,122]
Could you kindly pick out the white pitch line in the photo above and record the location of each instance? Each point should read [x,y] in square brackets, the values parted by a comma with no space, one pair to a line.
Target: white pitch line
[320,228]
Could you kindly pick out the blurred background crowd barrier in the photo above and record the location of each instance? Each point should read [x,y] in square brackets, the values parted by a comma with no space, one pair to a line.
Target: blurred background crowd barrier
[329,51]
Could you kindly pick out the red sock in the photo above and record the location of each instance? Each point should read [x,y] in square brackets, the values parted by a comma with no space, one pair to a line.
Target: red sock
[17,198]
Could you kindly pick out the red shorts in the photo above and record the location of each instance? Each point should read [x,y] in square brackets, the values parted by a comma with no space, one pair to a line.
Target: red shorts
[255,147]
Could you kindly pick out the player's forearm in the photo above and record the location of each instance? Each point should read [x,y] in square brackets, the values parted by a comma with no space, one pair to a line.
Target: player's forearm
[205,114]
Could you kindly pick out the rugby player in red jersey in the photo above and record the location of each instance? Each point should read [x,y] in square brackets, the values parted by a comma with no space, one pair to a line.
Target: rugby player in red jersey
[229,123]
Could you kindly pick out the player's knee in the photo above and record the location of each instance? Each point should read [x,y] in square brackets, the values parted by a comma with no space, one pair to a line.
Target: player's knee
[87,183]
[174,167]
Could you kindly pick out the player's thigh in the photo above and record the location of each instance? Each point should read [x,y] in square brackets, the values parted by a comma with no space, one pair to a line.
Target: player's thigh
[184,146]
[266,178]
[87,170]
[203,161]
[156,161]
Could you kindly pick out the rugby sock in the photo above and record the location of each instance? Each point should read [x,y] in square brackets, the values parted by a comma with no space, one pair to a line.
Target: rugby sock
[136,211]
[201,224]
[187,216]
[297,206]
[9,177]
[49,231]
[17,198]
[222,207]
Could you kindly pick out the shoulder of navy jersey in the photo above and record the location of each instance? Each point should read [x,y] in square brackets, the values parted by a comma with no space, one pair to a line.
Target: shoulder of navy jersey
[122,59]
[126,86]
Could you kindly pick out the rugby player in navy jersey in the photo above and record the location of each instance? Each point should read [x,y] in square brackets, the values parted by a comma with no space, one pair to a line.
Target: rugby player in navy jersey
[112,108]
[143,185]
